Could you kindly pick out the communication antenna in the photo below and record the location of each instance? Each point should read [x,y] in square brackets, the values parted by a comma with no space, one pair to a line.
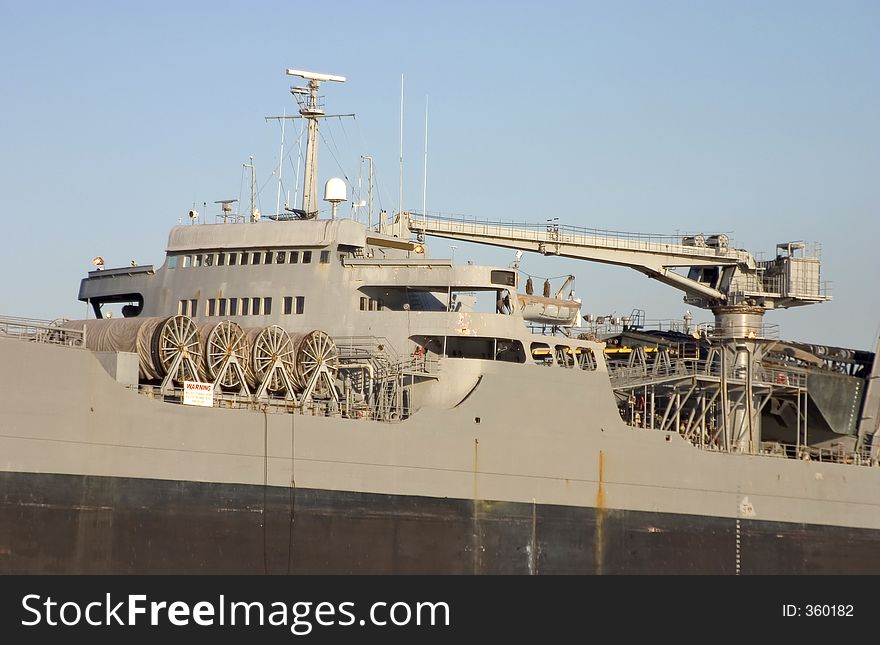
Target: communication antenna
[255,214]
[370,193]
[280,164]
[425,177]
[400,183]
[334,192]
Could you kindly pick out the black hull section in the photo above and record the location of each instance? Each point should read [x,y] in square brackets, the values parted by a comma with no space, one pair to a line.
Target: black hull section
[76,524]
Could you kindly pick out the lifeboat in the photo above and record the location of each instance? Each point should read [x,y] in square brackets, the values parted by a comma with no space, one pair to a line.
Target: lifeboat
[549,311]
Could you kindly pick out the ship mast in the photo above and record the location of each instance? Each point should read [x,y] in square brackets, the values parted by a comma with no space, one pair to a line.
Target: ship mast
[312,109]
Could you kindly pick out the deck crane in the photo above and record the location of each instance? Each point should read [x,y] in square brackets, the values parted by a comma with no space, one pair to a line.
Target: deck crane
[730,282]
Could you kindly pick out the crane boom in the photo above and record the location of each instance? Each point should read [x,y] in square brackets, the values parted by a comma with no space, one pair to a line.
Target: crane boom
[721,278]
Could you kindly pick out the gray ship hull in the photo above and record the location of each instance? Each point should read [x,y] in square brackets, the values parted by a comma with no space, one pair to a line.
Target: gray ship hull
[99,525]
[96,477]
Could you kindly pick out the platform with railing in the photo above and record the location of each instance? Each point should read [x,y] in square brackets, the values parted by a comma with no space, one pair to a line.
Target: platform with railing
[40,331]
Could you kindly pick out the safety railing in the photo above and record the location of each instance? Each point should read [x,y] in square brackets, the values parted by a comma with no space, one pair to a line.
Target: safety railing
[566,234]
[40,331]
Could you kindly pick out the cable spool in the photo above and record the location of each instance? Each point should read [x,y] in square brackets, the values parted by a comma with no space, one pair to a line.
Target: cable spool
[158,343]
[268,344]
[177,336]
[222,341]
[314,350]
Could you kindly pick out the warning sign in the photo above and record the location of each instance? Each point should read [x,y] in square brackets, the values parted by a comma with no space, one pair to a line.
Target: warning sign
[195,393]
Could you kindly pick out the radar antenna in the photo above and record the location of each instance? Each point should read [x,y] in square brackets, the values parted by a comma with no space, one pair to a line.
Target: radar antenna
[226,207]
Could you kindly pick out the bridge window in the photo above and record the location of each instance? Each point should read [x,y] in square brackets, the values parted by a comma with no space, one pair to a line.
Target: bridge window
[197,260]
[209,259]
[325,257]
[280,257]
[307,257]
[268,258]
[233,257]
[186,261]
[256,257]
[172,262]
[506,278]
[294,257]
[221,259]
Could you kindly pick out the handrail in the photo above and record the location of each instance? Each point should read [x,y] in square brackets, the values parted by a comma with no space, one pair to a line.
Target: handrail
[40,331]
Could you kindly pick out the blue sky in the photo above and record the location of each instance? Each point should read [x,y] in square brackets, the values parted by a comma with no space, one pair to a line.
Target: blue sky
[754,118]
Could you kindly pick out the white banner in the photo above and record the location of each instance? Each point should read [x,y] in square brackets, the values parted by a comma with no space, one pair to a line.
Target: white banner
[195,393]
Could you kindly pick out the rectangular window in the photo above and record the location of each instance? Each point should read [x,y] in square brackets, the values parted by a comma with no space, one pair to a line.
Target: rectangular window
[233,258]
[245,256]
[307,257]
[300,304]
[172,262]
[182,307]
[245,306]
[325,257]
[197,260]
[280,257]
[233,306]
[294,257]
[212,306]
[255,257]
[267,306]
[268,258]
[221,259]
[372,305]
[506,278]
[193,307]
[363,303]
[222,306]
[288,305]
[255,306]
[186,262]
[209,259]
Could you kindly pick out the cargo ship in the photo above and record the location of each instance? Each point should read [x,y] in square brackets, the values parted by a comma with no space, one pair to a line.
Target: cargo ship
[298,394]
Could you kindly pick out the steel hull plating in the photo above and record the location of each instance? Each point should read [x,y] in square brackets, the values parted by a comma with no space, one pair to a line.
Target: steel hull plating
[88,524]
